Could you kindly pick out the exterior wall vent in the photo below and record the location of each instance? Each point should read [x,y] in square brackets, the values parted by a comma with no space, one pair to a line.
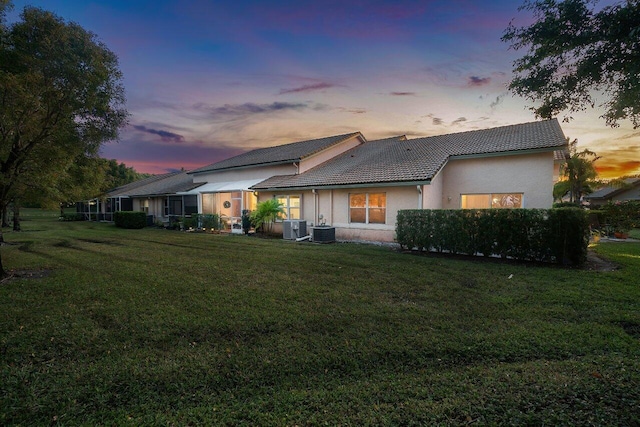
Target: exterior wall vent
[293,229]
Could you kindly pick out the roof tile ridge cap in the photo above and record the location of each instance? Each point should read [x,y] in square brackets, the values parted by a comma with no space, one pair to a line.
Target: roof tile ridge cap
[533,122]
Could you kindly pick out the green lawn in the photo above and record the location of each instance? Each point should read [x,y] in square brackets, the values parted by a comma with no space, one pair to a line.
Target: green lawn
[148,327]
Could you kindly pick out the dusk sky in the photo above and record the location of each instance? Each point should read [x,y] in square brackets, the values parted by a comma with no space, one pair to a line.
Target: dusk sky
[206,80]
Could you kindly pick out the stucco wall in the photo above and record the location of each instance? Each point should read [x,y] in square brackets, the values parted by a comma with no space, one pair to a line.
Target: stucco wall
[334,207]
[432,193]
[530,174]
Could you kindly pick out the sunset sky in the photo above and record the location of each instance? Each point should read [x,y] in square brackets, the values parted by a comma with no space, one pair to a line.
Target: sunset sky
[206,80]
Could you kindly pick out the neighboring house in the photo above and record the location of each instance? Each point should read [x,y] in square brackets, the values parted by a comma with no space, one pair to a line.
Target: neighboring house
[157,196]
[360,191]
[630,191]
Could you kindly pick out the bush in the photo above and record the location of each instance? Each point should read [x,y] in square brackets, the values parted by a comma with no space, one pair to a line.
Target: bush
[128,219]
[208,221]
[622,216]
[72,217]
[265,214]
[566,205]
[556,235]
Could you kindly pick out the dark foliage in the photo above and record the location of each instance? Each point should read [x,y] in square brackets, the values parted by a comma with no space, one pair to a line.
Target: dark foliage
[127,219]
[555,235]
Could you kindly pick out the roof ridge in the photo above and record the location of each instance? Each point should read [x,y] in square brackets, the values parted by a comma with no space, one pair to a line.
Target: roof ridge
[503,127]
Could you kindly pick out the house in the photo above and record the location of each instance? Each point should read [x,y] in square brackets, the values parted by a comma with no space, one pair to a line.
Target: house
[225,187]
[357,186]
[360,191]
[160,196]
[630,191]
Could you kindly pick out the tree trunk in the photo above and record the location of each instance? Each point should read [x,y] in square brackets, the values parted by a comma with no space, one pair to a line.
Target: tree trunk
[16,216]
[5,217]
[3,272]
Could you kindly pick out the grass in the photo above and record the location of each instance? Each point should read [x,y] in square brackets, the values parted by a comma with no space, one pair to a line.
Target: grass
[148,327]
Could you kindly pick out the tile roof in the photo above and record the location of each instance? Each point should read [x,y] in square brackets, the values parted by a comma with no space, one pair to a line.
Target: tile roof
[156,185]
[611,191]
[418,160]
[286,153]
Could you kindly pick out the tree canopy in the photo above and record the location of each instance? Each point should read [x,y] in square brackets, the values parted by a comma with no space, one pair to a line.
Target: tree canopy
[61,98]
[577,52]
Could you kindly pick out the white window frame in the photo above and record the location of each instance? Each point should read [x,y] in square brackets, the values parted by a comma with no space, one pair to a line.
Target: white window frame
[287,207]
[367,208]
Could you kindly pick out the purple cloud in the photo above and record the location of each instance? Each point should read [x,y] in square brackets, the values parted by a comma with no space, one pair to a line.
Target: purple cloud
[250,108]
[402,93]
[352,110]
[163,134]
[476,81]
[307,88]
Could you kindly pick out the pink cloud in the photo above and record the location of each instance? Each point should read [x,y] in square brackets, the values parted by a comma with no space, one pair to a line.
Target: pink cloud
[476,81]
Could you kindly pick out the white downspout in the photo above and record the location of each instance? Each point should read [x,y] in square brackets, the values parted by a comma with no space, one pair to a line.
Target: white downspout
[331,207]
[315,206]
[419,188]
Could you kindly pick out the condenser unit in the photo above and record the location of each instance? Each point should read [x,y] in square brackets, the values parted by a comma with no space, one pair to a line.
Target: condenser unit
[293,228]
[324,234]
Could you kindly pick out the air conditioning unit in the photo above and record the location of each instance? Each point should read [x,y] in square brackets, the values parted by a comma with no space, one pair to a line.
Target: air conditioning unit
[324,234]
[293,228]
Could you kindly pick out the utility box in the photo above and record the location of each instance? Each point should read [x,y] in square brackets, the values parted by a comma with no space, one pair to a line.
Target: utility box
[324,234]
[293,229]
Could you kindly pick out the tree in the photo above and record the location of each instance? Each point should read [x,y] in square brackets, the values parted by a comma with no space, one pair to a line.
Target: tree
[576,51]
[579,172]
[119,174]
[61,98]
[265,214]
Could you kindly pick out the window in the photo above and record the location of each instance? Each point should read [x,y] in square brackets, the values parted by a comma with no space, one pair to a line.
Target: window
[190,204]
[291,206]
[368,208]
[144,206]
[494,201]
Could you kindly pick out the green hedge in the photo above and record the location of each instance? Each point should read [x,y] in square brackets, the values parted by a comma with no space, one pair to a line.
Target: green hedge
[72,217]
[549,235]
[129,219]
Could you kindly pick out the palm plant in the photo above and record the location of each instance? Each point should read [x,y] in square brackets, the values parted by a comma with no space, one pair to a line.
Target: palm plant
[579,172]
[265,214]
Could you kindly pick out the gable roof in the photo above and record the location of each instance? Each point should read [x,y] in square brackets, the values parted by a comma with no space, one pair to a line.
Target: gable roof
[287,153]
[156,185]
[394,160]
[606,192]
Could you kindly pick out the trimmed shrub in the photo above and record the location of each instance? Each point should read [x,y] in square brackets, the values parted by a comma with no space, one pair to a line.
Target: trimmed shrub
[622,216]
[129,219]
[72,217]
[555,235]
[566,205]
